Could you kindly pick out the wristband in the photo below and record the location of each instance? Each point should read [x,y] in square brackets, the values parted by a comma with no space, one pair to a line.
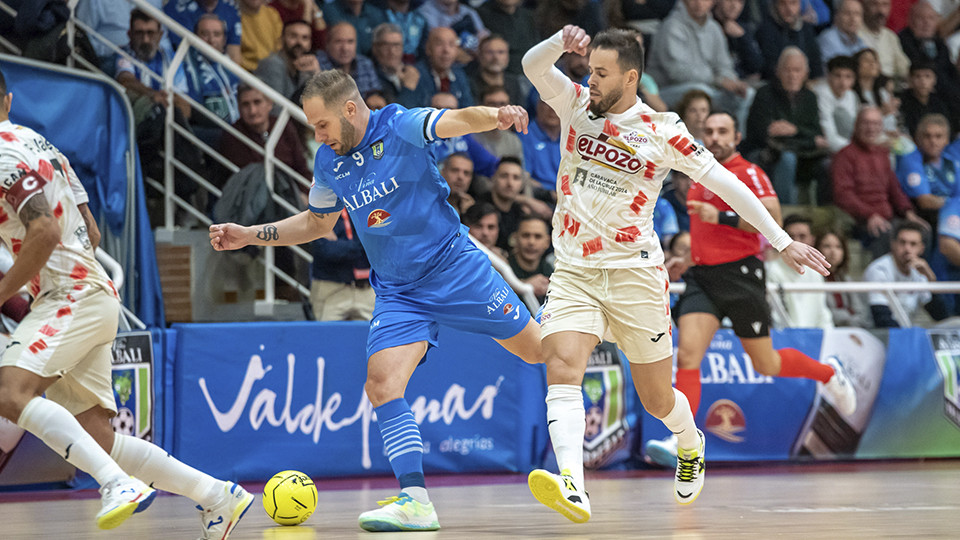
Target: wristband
[730,219]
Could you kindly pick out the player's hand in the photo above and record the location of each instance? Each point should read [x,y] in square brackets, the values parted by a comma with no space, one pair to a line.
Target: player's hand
[575,39]
[228,236]
[708,213]
[512,115]
[797,255]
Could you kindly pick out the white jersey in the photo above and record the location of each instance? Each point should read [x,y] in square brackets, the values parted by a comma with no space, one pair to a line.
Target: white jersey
[611,171]
[32,167]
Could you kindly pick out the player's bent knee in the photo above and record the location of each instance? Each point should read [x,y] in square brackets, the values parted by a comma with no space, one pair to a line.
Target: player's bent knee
[563,371]
[381,391]
[12,402]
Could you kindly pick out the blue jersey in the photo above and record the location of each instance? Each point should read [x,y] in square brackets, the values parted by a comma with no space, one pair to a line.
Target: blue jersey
[918,178]
[390,185]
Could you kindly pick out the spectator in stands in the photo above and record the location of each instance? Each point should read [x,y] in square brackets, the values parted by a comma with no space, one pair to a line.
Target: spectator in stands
[785,27]
[804,310]
[483,220]
[948,256]
[843,37]
[110,19]
[576,67]
[922,44]
[894,63]
[439,72]
[678,260]
[457,170]
[145,34]
[209,83]
[307,12]
[647,10]
[875,89]
[552,16]
[484,162]
[362,15]
[741,38]
[690,52]
[647,89]
[256,123]
[541,147]
[375,100]
[400,82]
[499,142]
[463,20]
[340,276]
[188,12]
[413,25]
[846,309]
[694,108]
[262,28]
[528,260]
[489,70]
[904,263]
[288,69]
[675,193]
[783,132]
[506,196]
[665,222]
[926,175]
[837,102]
[865,186]
[514,22]
[342,54]
[923,97]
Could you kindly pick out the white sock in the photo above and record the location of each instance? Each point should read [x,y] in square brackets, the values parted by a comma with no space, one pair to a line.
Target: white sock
[417,493]
[157,468]
[59,430]
[680,421]
[567,422]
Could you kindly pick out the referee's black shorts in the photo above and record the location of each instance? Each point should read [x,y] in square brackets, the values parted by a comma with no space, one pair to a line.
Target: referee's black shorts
[736,290]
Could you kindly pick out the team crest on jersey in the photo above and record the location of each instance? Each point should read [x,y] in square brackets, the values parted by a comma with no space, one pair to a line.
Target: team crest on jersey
[377,148]
[609,153]
[378,218]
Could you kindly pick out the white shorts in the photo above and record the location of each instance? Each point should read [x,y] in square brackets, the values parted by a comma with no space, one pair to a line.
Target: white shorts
[633,303]
[70,336]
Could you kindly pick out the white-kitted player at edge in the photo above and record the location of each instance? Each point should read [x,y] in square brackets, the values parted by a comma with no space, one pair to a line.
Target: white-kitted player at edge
[615,153]
[62,348]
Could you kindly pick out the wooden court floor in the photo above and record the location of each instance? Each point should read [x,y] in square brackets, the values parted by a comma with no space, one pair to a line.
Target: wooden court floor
[865,500]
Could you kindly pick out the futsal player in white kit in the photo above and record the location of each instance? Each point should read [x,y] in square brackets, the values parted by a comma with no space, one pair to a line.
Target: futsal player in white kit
[615,153]
[62,347]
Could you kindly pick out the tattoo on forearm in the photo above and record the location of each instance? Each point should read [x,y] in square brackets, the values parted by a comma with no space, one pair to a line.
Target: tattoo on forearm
[36,207]
[268,233]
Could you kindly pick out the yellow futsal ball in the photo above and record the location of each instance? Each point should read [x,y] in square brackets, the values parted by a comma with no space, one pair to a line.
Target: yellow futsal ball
[289,497]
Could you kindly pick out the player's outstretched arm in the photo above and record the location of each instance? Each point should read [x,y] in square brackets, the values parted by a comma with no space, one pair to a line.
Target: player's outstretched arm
[301,228]
[725,184]
[42,237]
[459,122]
[538,62]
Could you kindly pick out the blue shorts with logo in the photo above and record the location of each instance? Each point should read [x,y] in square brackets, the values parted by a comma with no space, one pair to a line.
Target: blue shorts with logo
[468,294]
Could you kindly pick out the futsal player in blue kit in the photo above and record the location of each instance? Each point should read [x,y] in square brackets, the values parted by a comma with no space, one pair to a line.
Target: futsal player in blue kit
[381,166]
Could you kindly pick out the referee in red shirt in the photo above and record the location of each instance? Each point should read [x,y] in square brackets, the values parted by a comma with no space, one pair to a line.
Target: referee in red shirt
[728,280]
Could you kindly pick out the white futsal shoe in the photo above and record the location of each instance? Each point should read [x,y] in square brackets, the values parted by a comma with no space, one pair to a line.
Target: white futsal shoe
[121,499]
[221,519]
[663,452]
[690,471]
[839,388]
[558,491]
[400,513]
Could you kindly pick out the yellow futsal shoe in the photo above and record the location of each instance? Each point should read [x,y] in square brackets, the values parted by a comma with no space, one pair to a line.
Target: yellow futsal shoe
[121,499]
[690,471]
[400,513]
[558,491]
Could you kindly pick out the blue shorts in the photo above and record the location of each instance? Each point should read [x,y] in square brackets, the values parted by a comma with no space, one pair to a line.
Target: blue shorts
[467,295]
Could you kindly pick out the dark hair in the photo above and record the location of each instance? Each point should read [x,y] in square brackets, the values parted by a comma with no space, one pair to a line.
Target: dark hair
[624,42]
[909,226]
[461,155]
[688,98]
[794,219]
[333,86]
[920,65]
[3,86]
[243,88]
[510,159]
[475,213]
[488,90]
[736,123]
[492,37]
[138,14]
[676,238]
[840,270]
[292,22]
[842,62]
[880,83]
[533,217]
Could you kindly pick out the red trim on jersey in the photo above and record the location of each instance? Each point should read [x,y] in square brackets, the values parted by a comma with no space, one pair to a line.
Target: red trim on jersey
[682,144]
[46,170]
[570,225]
[650,168]
[610,129]
[79,272]
[3,216]
[577,88]
[565,184]
[58,211]
[7,136]
[712,243]
[38,346]
[64,311]
[627,234]
[592,246]
[571,139]
[48,330]
[638,202]
[15,244]
[35,286]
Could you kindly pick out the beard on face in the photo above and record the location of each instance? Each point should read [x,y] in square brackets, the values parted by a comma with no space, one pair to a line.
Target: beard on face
[348,137]
[607,101]
[296,51]
[145,51]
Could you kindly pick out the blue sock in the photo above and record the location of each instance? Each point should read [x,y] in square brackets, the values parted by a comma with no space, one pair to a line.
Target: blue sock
[401,438]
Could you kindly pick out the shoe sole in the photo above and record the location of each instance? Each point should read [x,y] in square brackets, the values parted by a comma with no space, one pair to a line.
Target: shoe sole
[115,517]
[545,489]
[390,525]
[238,514]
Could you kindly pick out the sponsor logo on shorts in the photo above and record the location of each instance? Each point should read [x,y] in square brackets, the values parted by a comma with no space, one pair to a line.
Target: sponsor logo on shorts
[726,420]
[609,154]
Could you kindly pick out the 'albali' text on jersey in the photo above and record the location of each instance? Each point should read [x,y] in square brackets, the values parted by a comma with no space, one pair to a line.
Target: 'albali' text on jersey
[390,185]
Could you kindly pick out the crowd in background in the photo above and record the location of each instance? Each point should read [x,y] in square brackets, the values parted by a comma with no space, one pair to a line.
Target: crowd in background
[852,107]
